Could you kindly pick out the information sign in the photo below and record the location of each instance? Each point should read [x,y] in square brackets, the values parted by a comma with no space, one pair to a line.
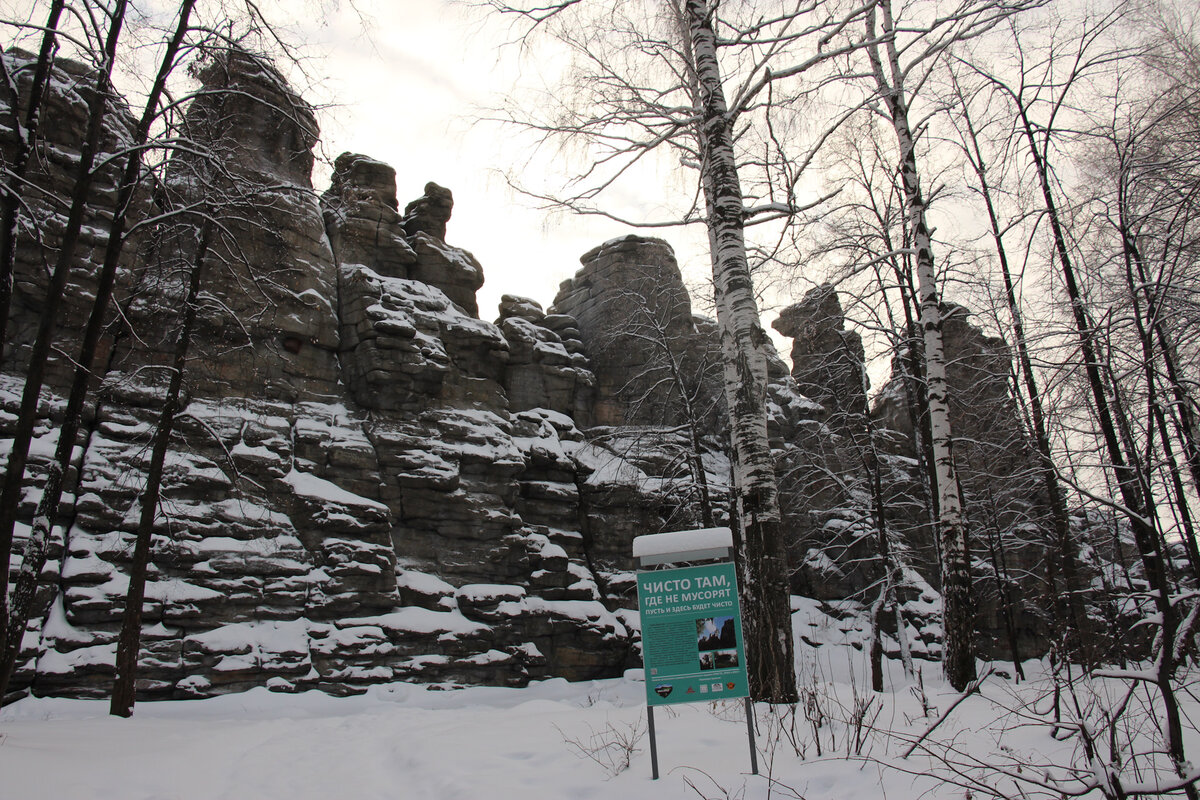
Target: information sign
[692,635]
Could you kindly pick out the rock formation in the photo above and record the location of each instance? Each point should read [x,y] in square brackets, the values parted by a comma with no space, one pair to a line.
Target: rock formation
[351,498]
[1003,499]
[1002,494]
[827,359]
[369,483]
[634,316]
[547,366]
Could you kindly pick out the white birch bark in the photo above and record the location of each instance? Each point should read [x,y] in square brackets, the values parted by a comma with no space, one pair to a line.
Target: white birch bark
[958,651]
[764,579]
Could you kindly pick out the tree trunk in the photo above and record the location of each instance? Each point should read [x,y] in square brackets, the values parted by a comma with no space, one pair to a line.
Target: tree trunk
[1152,331]
[958,650]
[1145,320]
[47,511]
[912,375]
[1004,584]
[765,585]
[890,574]
[10,497]
[129,642]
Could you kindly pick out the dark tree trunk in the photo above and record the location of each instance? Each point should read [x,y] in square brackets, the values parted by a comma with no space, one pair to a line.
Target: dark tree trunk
[1129,485]
[1004,586]
[47,511]
[10,496]
[129,642]
[1071,624]
[26,132]
[1146,320]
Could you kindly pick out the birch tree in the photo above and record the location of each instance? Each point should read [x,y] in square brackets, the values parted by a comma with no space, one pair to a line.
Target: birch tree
[691,80]
[743,343]
[899,66]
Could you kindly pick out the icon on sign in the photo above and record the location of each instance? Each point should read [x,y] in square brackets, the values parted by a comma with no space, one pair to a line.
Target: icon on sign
[718,687]
[704,688]
[730,685]
[663,689]
[691,690]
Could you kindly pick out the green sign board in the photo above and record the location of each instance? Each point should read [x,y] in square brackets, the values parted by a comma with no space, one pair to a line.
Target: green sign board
[691,635]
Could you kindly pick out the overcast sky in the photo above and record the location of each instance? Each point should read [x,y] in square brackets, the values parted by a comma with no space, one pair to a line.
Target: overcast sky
[405,81]
[406,92]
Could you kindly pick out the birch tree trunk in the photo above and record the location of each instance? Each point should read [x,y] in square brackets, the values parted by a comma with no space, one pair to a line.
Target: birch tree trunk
[958,651]
[764,583]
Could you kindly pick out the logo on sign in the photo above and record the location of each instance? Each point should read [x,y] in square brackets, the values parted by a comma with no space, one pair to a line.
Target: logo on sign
[663,689]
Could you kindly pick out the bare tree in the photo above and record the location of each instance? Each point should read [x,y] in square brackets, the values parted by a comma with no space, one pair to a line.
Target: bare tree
[129,640]
[34,556]
[1042,97]
[684,102]
[99,102]
[900,66]
[140,162]
[1069,617]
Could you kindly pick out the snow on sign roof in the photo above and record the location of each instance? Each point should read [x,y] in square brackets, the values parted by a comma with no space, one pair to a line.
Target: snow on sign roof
[665,548]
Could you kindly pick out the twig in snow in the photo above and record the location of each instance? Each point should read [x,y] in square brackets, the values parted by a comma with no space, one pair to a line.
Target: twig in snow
[971,689]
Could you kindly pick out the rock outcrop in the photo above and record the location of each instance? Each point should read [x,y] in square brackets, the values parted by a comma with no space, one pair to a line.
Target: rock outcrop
[52,176]
[547,366]
[633,314]
[828,362]
[1002,498]
[351,498]
[370,483]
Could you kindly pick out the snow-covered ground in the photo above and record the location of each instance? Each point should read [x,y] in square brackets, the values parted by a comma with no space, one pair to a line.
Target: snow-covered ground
[408,741]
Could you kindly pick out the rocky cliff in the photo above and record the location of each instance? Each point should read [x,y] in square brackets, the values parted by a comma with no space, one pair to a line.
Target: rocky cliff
[370,483]
[351,496]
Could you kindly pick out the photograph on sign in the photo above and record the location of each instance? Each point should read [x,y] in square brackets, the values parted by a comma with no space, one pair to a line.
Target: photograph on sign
[691,634]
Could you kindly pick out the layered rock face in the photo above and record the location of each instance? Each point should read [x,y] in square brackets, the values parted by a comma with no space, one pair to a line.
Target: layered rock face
[547,366]
[635,317]
[369,483]
[1002,497]
[351,498]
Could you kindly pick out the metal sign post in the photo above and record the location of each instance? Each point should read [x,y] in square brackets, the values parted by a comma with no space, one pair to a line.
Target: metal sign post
[691,625]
